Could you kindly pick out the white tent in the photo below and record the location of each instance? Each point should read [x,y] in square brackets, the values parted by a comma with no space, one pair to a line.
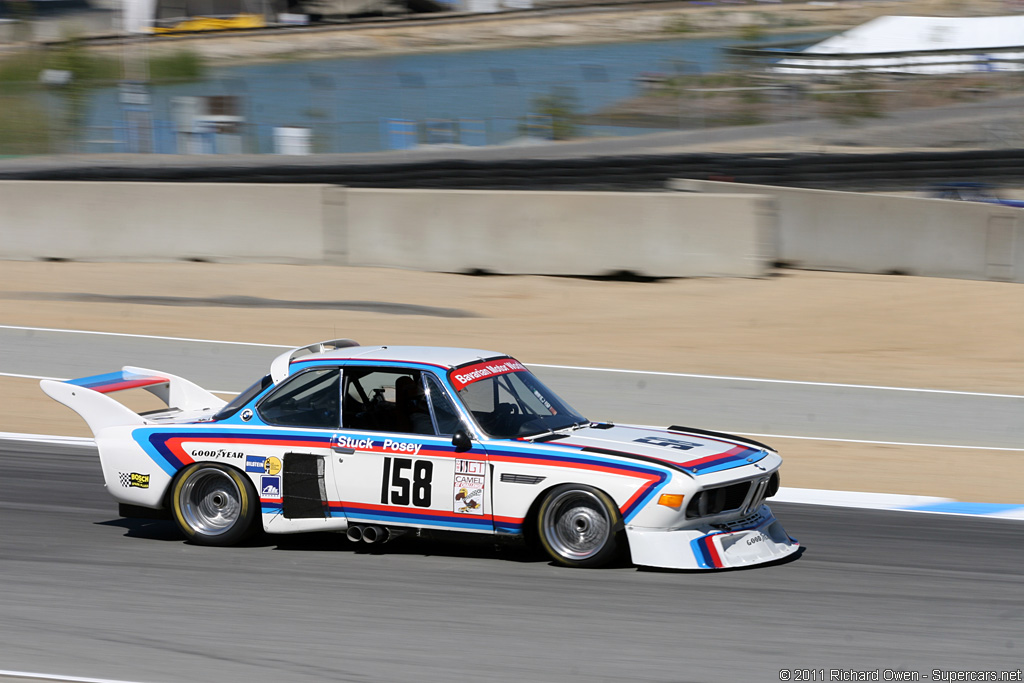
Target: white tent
[138,15]
[919,45]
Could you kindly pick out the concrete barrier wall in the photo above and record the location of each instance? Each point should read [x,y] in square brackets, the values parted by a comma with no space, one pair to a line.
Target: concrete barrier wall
[559,233]
[724,229]
[164,221]
[870,233]
[564,233]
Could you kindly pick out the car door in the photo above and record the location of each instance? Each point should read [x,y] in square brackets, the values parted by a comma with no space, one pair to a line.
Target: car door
[394,460]
[290,460]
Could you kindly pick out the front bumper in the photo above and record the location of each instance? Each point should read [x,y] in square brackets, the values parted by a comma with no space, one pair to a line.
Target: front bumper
[764,540]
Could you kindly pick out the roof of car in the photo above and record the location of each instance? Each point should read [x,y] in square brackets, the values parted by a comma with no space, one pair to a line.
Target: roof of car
[347,349]
[433,355]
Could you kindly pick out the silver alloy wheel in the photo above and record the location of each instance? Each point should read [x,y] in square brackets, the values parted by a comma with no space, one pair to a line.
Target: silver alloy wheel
[210,502]
[576,525]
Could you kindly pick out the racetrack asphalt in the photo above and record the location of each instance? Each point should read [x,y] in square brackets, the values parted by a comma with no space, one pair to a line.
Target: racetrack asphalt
[88,594]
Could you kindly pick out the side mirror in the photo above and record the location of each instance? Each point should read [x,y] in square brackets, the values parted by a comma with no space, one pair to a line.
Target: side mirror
[461,440]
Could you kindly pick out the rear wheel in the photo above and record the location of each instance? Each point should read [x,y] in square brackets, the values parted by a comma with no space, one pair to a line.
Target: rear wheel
[214,504]
[579,526]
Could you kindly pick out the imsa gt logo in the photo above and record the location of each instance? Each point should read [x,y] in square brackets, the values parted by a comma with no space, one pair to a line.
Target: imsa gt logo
[133,480]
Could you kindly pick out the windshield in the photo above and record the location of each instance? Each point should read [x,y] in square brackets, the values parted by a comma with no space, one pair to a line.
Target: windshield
[507,401]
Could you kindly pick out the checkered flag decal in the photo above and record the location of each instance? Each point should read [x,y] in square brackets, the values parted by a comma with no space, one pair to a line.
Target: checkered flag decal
[125,479]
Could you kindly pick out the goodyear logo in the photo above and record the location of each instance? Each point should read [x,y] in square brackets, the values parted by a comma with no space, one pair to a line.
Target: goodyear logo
[133,480]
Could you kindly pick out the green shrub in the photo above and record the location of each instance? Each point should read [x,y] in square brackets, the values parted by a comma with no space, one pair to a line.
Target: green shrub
[24,126]
[85,66]
[679,25]
[751,33]
[561,105]
[20,72]
[184,65]
[850,106]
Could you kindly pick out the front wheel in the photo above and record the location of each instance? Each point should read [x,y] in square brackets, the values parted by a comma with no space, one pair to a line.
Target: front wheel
[579,526]
[214,504]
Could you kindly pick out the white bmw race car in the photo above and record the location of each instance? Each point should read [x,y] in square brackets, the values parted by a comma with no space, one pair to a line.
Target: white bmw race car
[375,441]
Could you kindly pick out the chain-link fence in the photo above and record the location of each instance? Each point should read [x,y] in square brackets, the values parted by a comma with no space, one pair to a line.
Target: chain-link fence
[492,98]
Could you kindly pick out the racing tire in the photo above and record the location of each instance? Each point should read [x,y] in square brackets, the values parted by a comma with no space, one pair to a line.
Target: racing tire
[214,504]
[580,526]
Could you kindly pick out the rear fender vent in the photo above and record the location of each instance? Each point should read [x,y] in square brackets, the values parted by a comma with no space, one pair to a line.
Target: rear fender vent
[521,479]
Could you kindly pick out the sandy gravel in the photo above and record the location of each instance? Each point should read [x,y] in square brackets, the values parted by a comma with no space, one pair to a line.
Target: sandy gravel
[865,329]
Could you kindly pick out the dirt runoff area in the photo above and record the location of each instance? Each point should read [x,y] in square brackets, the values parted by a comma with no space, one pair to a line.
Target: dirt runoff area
[816,326]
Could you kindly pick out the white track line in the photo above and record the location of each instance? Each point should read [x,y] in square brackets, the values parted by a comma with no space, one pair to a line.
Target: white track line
[779,381]
[17,376]
[896,502]
[140,336]
[49,438]
[557,367]
[53,677]
[877,443]
[854,499]
[874,443]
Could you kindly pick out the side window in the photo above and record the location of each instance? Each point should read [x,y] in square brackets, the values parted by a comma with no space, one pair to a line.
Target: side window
[385,400]
[239,401]
[309,399]
[445,416]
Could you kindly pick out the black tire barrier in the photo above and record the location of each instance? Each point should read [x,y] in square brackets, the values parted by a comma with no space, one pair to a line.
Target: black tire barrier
[871,171]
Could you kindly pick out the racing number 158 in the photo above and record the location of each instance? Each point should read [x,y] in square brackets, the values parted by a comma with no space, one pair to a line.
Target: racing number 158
[396,487]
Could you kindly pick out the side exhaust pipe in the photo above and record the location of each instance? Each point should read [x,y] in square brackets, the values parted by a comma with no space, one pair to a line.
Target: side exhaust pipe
[375,534]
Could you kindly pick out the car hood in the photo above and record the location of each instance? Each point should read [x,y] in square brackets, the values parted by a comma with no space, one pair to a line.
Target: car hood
[698,453]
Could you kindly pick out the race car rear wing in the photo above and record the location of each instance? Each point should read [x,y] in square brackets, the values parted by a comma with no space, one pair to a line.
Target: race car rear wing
[87,396]
[281,365]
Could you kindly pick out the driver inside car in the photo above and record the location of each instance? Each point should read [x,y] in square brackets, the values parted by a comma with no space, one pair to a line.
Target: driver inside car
[414,415]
